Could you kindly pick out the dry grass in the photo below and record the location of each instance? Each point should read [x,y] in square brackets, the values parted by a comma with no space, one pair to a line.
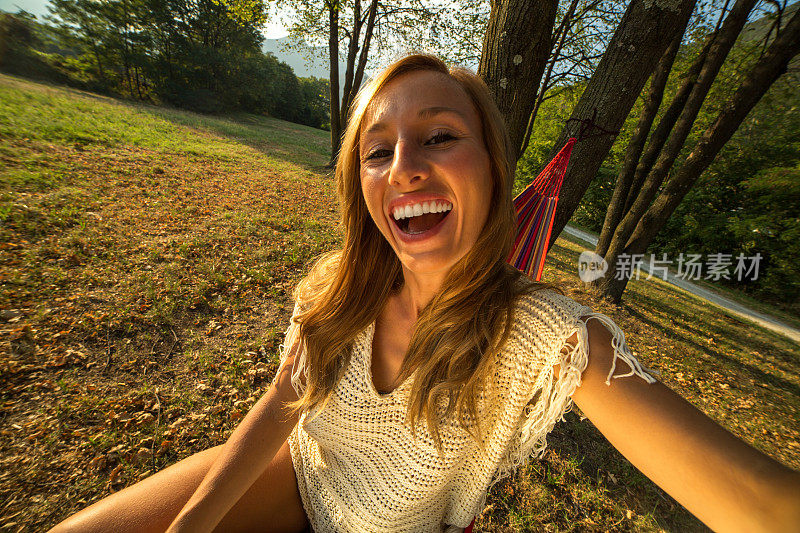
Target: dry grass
[148,258]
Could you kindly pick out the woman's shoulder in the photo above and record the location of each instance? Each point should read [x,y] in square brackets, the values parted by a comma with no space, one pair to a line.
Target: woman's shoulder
[549,325]
[546,307]
[543,318]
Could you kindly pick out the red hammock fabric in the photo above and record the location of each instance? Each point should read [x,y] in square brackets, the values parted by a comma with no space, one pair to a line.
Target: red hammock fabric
[536,208]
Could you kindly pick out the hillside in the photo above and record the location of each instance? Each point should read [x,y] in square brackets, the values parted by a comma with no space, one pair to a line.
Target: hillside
[148,259]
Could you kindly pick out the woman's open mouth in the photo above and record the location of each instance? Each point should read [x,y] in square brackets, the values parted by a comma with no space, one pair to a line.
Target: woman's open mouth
[415,219]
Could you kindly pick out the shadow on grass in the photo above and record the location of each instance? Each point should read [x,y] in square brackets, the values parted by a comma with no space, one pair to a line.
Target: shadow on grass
[717,318]
[581,441]
[300,145]
[582,483]
[685,333]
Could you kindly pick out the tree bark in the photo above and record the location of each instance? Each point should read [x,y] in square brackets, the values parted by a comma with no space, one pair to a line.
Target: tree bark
[636,145]
[665,125]
[362,59]
[646,30]
[515,51]
[770,67]
[333,56]
[667,122]
[717,52]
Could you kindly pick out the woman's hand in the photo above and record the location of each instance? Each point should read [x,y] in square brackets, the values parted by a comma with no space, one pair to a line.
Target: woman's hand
[243,458]
[724,482]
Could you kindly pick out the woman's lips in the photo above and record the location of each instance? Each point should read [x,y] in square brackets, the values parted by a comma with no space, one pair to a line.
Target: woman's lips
[417,203]
[416,231]
[418,216]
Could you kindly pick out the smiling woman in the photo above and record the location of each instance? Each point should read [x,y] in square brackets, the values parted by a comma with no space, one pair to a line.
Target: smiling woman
[419,319]
[422,143]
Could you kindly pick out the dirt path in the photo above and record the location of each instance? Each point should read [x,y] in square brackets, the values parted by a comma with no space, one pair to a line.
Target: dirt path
[729,305]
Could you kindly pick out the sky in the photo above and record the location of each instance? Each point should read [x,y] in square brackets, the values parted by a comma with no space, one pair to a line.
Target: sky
[37,7]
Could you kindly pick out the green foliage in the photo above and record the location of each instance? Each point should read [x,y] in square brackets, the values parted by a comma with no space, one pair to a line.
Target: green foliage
[770,225]
[746,202]
[20,40]
[251,12]
[316,96]
[201,55]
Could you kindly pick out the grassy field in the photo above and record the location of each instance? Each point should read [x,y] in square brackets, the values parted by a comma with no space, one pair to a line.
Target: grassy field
[148,257]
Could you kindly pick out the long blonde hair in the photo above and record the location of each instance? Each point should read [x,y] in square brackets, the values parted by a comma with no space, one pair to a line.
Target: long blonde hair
[464,325]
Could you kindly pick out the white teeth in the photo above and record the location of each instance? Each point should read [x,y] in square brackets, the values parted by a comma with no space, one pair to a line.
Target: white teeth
[416,210]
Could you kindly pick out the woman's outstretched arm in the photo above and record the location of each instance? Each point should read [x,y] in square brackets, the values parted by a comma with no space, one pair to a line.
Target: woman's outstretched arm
[723,481]
[246,454]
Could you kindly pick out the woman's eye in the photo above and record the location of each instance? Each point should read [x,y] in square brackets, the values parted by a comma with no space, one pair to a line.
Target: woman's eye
[440,137]
[376,154]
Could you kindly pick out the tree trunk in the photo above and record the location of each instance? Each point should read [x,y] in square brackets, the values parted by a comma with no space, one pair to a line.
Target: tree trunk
[645,32]
[352,50]
[100,70]
[138,83]
[333,56]
[770,67]
[561,34]
[515,51]
[667,122]
[362,58]
[635,146]
[717,52]
[665,125]
[353,79]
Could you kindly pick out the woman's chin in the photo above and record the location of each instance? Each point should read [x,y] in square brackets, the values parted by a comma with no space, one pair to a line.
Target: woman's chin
[434,263]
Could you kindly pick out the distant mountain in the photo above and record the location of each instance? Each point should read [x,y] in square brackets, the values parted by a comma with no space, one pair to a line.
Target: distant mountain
[756,30]
[310,61]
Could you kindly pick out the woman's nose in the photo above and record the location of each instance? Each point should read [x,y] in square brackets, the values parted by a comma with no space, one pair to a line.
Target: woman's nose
[409,165]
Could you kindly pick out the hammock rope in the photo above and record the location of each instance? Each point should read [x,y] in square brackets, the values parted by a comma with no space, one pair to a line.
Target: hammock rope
[536,205]
[589,124]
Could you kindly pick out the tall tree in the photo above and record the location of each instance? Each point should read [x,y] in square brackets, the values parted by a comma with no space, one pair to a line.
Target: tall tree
[354,31]
[333,7]
[674,128]
[516,46]
[356,60]
[639,42]
[583,30]
[758,80]
[638,162]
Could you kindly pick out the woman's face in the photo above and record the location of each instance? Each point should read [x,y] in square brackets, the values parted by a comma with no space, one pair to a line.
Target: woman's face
[425,171]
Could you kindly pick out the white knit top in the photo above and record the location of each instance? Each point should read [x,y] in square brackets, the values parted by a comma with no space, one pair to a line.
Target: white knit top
[361,469]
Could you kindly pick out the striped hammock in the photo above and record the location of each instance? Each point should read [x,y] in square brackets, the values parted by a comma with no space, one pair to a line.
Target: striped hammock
[536,208]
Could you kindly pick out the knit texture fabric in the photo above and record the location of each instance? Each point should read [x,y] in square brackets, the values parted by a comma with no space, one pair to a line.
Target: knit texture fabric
[360,468]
